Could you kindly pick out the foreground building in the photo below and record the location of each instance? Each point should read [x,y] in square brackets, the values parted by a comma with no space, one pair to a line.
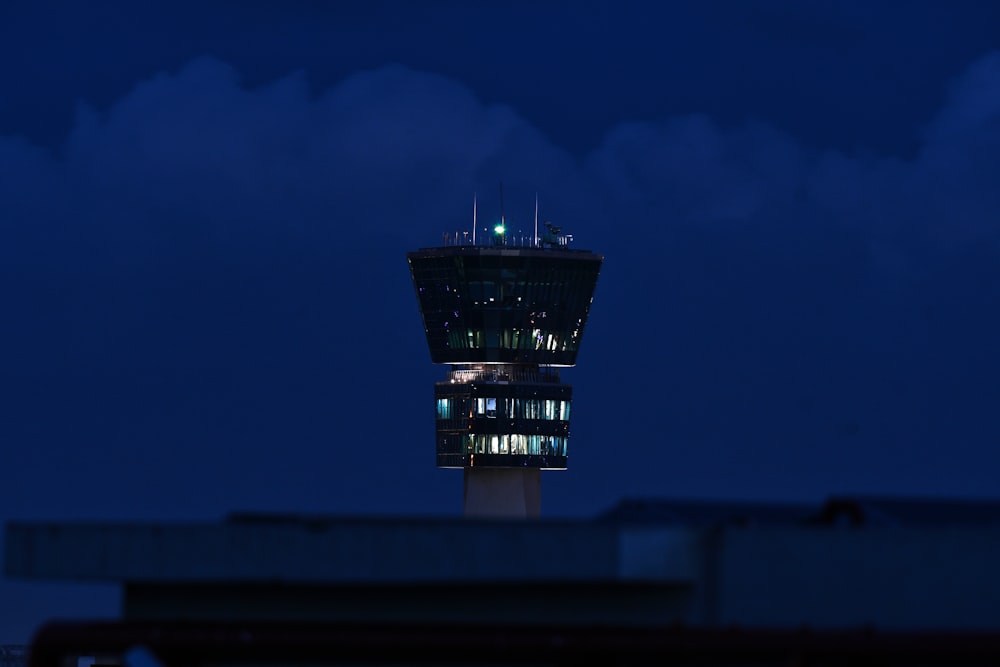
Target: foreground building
[851,580]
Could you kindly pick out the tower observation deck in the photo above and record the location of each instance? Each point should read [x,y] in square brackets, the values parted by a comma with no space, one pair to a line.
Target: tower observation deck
[506,318]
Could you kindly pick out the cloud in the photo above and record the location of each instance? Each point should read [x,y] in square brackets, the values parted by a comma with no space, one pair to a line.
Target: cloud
[382,144]
[973,107]
[692,171]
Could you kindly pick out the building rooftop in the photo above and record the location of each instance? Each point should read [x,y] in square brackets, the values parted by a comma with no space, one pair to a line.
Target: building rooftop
[872,573]
[303,547]
[855,509]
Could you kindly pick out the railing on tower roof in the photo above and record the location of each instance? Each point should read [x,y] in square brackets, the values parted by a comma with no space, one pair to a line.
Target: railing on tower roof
[553,238]
[504,373]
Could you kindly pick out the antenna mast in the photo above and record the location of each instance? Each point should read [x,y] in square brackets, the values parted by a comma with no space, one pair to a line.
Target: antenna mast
[535,243]
[474,218]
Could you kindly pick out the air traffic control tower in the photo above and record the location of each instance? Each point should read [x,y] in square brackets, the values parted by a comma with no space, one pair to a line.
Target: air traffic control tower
[506,314]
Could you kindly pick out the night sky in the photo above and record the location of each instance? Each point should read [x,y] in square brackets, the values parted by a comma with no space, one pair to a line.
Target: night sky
[205,211]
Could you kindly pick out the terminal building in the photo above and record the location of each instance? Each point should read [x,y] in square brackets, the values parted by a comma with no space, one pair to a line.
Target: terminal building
[852,580]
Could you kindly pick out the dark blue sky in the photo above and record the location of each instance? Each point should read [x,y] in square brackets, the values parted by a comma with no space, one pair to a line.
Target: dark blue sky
[205,211]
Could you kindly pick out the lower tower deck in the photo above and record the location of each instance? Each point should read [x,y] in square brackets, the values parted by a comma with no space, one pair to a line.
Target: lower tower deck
[503,425]
[502,416]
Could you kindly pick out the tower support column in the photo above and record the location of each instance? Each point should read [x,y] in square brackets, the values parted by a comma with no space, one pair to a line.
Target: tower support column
[503,492]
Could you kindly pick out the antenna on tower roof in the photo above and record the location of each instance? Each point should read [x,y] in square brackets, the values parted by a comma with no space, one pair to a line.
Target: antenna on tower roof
[474,197]
[535,242]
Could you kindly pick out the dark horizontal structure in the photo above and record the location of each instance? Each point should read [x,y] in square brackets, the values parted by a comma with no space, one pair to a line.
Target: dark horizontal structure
[182,644]
[852,580]
[484,304]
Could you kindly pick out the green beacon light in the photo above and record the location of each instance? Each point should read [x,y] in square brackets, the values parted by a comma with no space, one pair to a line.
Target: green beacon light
[499,229]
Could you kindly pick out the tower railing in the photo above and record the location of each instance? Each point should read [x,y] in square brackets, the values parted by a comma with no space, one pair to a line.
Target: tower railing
[498,373]
[509,240]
